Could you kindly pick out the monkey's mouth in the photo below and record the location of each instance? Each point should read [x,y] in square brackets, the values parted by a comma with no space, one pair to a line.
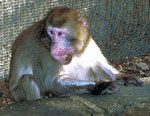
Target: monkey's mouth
[64,56]
[64,59]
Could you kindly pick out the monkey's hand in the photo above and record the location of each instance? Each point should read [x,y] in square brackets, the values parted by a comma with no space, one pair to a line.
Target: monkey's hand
[128,79]
[104,88]
[113,86]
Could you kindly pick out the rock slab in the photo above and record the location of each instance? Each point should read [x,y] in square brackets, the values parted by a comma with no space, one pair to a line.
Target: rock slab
[128,101]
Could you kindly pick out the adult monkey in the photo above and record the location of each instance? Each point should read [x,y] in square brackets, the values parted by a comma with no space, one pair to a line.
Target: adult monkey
[57,55]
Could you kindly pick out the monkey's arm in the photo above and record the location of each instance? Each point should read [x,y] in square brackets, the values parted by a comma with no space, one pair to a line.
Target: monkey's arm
[78,83]
[71,86]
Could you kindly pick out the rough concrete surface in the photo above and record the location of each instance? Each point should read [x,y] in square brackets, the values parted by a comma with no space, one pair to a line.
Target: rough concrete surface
[128,101]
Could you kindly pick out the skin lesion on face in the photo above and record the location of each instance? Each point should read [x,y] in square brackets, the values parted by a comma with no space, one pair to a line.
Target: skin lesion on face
[64,56]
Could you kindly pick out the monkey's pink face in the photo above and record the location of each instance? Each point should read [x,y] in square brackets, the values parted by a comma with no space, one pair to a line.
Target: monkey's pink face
[61,48]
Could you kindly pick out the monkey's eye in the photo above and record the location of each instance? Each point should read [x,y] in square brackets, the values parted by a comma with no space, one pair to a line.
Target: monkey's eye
[51,32]
[59,33]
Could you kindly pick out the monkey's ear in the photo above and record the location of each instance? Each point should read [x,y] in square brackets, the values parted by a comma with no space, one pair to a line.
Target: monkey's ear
[83,21]
[46,40]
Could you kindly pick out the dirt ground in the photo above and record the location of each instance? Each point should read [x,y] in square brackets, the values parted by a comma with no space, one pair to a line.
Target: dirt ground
[128,101]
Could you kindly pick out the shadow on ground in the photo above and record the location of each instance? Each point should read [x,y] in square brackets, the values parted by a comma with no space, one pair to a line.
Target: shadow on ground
[129,101]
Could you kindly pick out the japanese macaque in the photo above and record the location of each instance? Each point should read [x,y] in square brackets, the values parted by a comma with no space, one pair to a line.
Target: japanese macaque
[58,56]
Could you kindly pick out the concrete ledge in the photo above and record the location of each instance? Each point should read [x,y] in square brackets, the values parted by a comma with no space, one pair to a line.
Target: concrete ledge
[129,101]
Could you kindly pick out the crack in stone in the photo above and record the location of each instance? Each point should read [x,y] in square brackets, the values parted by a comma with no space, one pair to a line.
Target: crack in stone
[88,104]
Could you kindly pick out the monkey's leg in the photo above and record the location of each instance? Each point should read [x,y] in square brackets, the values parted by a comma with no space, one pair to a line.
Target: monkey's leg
[27,89]
[18,93]
[121,78]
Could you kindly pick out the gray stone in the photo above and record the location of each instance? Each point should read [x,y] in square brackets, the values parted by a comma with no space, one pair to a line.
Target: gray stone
[143,66]
[128,101]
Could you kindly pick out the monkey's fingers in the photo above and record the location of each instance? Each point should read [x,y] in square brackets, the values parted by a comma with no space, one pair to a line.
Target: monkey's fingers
[130,81]
[113,88]
[134,81]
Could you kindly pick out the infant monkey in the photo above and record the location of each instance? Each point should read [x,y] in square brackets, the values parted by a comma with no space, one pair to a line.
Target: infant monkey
[57,55]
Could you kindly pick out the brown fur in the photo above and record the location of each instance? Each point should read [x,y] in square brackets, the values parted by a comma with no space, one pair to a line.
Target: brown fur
[33,70]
